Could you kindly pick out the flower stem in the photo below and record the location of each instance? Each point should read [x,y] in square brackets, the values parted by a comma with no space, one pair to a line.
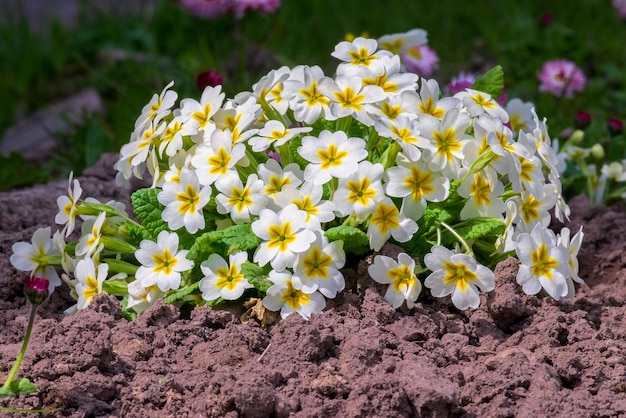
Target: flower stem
[20,356]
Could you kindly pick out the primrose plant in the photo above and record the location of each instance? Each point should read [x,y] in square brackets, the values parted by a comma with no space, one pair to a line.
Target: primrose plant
[262,197]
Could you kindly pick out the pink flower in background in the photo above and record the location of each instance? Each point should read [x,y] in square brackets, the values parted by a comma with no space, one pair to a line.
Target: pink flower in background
[211,9]
[209,78]
[421,60]
[266,6]
[561,78]
[461,82]
[620,8]
[207,9]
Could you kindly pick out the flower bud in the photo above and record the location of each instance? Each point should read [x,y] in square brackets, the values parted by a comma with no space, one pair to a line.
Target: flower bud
[582,120]
[36,289]
[576,137]
[597,151]
[209,78]
[615,126]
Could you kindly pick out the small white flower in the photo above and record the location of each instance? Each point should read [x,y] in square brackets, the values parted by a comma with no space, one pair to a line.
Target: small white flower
[284,297]
[239,201]
[162,262]
[318,267]
[403,283]
[35,257]
[67,206]
[223,279]
[459,275]
[184,201]
[387,221]
[543,263]
[90,280]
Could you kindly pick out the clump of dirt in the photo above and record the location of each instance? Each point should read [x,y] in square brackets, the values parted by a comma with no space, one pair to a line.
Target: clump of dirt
[516,355]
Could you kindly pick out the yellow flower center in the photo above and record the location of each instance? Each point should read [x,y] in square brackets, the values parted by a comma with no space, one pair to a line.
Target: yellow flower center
[316,264]
[164,262]
[281,236]
[228,278]
[331,157]
[543,264]
[458,274]
[385,217]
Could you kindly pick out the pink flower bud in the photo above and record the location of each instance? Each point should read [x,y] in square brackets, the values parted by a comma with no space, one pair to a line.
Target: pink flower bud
[582,120]
[615,126]
[36,289]
[209,78]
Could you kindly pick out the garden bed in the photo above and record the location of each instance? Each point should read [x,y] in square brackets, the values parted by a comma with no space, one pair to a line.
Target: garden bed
[516,355]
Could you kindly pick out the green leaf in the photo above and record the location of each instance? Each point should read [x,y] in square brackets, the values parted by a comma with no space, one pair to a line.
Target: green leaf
[179,295]
[481,228]
[354,240]
[115,287]
[23,385]
[6,393]
[492,82]
[148,210]
[257,276]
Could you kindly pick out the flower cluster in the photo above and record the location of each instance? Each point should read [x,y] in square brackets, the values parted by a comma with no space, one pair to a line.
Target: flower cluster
[212,9]
[263,195]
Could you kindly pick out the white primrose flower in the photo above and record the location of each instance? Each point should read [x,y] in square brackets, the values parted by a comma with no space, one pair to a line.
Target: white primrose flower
[479,103]
[67,206]
[449,137]
[211,100]
[318,267]
[428,102]
[400,42]
[457,274]
[275,134]
[183,201]
[534,209]
[482,191]
[307,198]
[359,192]
[239,201]
[416,184]
[302,92]
[403,283]
[405,131]
[543,263]
[385,72]
[284,234]
[162,262]
[349,97]
[141,298]
[360,51]
[172,138]
[158,107]
[573,246]
[387,221]
[284,297]
[35,257]
[222,279]
[270,87]
[89,280]
[236,119]
[520,115]
[217,158]
[277,178]
[89,243]
[332,155]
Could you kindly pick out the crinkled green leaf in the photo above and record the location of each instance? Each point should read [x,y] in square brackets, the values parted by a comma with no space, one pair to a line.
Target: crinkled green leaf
[23,385]
[481,228]
[492,82]
[148,210]
[180,294]
[257,276]
[354,240]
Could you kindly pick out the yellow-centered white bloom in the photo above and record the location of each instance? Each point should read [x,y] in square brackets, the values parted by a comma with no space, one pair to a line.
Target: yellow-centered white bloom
[400,275]
[284,236]
[302,92]
[544,264]
[88,244]
[222,279]
[239,201]
[162,262]
[416,184]
[35,257]
[284,297]
[359,192]
[184,201]
[318,267]
[387,221]
[90,278]
[217,158]
[332,155]
[457,274]
[67,206]
[276,178]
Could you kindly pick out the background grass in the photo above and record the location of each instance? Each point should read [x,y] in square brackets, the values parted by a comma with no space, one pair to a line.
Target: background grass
[170,44]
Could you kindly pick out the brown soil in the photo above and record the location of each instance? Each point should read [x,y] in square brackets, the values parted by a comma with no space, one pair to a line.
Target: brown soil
[517,355]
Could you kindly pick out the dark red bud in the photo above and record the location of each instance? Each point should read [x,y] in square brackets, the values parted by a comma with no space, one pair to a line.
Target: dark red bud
[615,126]
[582,120]
[209,78]
[36,289]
